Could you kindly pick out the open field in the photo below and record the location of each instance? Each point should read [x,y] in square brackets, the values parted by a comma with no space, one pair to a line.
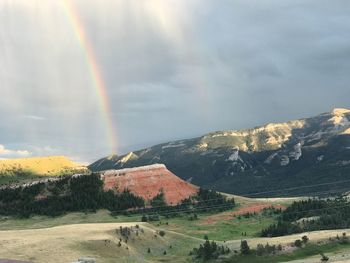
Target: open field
[219,230]
[55,239]
[35,222]
[68,243]
[219,226]
[230,224]
[274,201]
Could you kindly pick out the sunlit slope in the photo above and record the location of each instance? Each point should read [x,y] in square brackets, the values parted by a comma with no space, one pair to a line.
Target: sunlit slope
[100,241]
[104,242]
[41,166]
[260,161]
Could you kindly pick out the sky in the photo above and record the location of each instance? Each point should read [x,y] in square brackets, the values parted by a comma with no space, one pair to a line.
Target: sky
[165,70]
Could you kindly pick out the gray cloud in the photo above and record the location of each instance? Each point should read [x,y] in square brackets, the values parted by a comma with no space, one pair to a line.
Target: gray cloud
[173,69]
[7,153]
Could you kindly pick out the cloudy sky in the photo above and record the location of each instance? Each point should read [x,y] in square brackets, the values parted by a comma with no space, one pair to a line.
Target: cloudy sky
[172,69]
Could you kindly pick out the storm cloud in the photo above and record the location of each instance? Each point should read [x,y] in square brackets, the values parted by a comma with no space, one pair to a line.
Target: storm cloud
[173,69]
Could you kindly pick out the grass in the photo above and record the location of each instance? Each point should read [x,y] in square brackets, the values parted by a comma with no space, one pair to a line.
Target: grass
[40,166]
[100,241]
[221,230]
[36,222]
[303,253]
[9,179]
[181,234]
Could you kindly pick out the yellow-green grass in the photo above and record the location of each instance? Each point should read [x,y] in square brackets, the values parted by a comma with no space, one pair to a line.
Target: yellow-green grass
[45,239]
[36,222]
[70,242]
[40,166]
[67,243]
[222,230]
[241,200]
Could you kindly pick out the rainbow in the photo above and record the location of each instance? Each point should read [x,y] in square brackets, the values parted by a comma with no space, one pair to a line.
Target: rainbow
[95,72]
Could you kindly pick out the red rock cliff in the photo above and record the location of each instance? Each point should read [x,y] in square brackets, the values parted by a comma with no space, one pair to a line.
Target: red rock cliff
[147,182]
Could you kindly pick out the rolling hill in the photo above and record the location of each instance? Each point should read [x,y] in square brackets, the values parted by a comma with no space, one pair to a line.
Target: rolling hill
[258,161]
[38,166]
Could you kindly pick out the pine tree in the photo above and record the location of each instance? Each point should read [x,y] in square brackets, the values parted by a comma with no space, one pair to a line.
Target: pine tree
[245,250]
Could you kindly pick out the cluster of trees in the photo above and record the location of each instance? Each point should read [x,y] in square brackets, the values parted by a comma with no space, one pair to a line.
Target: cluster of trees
[150,218]
[81,193]
[209,250]
[311,215]
[204,201]
[281,228]
[159,200]
[262,250]
[300,242]
[271,211]
[124,231]
[212,200]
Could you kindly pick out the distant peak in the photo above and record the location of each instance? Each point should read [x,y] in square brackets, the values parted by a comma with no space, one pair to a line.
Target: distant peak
[340,111]
[112,156]
[128,157]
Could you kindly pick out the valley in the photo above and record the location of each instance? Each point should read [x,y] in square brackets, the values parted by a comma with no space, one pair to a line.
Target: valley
[174,131]
[274,196]
[46,239]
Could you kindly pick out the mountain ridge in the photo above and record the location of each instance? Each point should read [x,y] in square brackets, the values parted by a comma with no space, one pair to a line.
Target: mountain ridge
[226,160]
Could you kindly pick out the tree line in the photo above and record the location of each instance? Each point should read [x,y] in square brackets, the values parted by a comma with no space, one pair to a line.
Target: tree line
[72,193]
[310,215]
[85,193]
[204,201]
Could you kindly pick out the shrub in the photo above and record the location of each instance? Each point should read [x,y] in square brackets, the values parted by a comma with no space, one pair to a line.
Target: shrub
[245,250]
[305,239]
[324,258]
[298,243]
[209,250]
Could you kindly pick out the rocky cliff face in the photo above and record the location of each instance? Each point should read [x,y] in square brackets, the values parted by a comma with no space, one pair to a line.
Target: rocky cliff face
[148,181]
[306,151]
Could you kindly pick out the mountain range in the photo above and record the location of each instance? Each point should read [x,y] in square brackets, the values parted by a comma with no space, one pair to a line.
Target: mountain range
[260,161]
